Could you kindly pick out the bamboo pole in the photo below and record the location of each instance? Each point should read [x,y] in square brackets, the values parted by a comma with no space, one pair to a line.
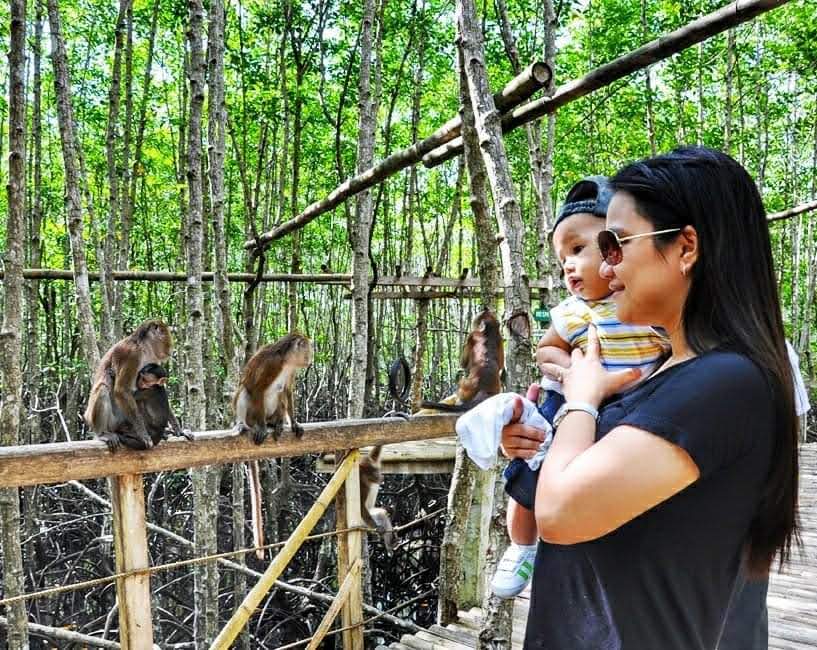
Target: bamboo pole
[535,76]
[659,49]
[245,610]
[352,578]
[131,548]
[312,278]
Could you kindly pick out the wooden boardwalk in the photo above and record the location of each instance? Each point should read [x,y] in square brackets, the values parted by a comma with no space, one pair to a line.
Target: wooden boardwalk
[792,593]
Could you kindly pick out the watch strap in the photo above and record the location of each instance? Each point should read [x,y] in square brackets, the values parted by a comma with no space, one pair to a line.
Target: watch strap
[567,407]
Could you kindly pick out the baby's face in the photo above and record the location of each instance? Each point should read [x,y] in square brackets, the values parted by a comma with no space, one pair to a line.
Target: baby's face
[574,241]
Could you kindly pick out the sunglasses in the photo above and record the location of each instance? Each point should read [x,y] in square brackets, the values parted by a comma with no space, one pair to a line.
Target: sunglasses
[610,243]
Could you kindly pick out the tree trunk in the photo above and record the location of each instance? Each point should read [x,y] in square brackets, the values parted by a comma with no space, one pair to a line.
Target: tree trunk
[497,623]
[73,201]
[10,336]
[239,541]
[506,205]
[645,32]
[108,263]
[32,429]
[295,258]
[454,540]
[35,228]
[131,180]
[541,162]
[546,264]
[484,230]
[123,239]
[217,122]
[205,484]
[458,548]
[730,71]
[533,129]
[360,229]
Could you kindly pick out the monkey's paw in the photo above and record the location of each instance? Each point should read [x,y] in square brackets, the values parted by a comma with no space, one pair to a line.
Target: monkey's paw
[277,429]
[240,428]
[111,440]
[297,429]
[188,434]
[260,434]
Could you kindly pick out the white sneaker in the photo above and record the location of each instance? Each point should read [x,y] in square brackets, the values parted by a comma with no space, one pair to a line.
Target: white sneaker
[514,571]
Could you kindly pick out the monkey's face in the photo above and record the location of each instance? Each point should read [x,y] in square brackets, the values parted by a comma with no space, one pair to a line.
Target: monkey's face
[303,352]
[485,321]
[148,380]
[159,339]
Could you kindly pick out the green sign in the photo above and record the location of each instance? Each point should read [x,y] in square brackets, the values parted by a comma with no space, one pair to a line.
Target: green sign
[542,315]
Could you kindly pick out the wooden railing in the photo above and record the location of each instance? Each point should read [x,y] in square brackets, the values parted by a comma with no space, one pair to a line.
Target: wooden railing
[56,463]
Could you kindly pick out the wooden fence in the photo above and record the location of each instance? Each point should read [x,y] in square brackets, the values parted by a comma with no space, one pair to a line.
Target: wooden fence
[52,463]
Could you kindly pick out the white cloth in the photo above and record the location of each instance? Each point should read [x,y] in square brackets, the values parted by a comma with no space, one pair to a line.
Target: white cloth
[801,403]
[546,383]
[480,429]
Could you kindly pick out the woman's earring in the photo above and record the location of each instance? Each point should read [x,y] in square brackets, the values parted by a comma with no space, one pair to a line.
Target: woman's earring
[684,270]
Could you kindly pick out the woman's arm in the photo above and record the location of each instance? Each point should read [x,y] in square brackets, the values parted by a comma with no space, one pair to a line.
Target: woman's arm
[586,490]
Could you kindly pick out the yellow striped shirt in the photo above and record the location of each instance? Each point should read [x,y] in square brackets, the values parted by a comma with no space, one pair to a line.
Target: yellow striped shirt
[622,346]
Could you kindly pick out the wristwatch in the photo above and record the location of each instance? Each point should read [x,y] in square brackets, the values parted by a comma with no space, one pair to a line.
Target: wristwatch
[565,408]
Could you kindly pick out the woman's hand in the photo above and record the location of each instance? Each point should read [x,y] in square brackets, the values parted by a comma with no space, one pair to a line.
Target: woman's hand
[586,380]
[521,440]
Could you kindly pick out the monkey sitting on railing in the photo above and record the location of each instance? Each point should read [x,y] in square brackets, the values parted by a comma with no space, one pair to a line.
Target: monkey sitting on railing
[112,413]
[265,398]
[482,359]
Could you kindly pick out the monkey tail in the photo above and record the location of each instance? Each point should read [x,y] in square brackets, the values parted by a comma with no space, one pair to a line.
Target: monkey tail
[456,408]
[374,454]
[447,408]
[254,477]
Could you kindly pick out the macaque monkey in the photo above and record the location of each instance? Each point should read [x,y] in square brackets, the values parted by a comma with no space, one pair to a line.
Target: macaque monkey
[483,359]
[265,398]
[151,398]
[371,476]
[265,390]
[112,407]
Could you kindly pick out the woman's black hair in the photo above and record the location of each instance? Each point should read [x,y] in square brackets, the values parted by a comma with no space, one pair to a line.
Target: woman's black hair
[733,303]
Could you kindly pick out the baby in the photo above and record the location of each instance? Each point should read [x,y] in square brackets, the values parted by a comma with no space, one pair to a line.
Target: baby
[578,223]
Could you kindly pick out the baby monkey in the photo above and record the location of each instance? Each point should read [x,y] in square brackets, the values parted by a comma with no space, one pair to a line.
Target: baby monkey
[153,407]
[152,402]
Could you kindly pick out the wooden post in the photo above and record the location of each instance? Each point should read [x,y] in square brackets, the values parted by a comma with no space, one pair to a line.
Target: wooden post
[353,607]
[131,545]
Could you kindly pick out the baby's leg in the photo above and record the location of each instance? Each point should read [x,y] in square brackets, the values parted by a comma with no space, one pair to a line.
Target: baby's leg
[521,524]
[516,565]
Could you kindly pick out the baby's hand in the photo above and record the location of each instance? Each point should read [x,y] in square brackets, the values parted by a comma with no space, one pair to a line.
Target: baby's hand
[533,392]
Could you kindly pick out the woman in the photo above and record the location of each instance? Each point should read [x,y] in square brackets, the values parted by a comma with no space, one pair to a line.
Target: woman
[648,507]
